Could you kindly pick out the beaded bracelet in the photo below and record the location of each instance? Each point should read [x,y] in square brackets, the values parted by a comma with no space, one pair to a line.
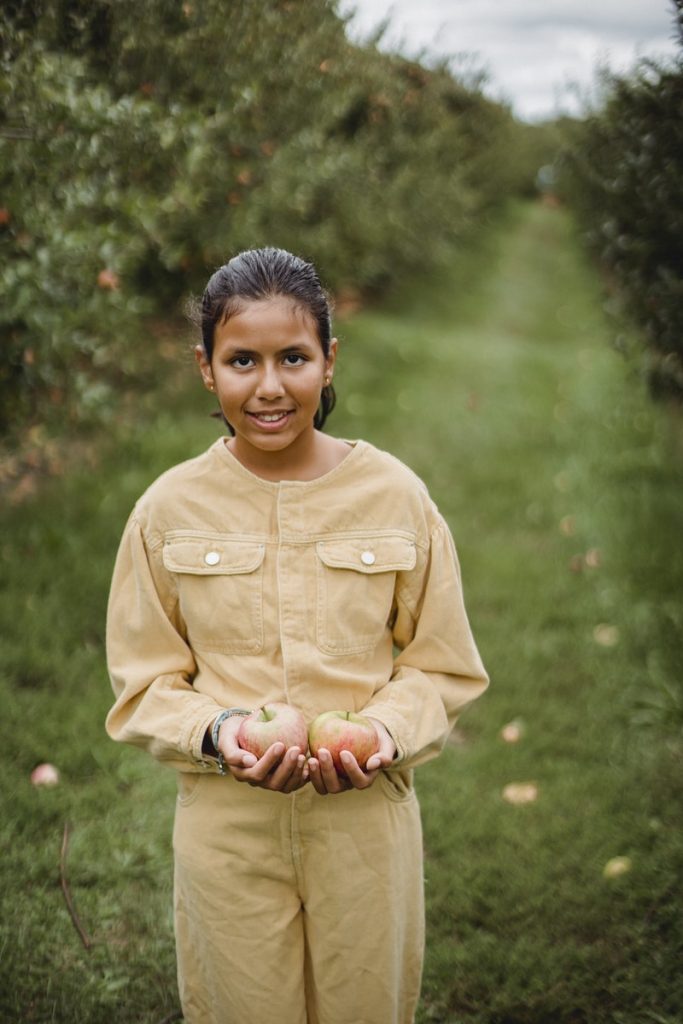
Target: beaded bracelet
[215,729]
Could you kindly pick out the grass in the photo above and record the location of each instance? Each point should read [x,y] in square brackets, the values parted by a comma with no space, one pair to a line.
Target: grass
[500,386]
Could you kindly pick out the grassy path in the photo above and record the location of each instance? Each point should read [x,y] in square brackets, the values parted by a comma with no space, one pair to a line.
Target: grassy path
[562,483]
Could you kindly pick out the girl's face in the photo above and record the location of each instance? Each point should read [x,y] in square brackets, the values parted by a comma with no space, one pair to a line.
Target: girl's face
[268,370]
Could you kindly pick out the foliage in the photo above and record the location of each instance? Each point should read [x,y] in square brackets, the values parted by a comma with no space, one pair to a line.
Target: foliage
[74,216]
[141,145]
[624,166]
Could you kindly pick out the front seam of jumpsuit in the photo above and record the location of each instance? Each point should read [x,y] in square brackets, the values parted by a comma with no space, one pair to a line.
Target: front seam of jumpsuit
[295,842]
[278,576]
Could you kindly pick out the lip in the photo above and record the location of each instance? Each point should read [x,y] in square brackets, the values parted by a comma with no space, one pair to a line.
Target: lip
[272,425]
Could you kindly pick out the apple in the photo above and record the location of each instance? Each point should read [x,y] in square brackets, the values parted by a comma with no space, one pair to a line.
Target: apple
[45,775]
[108,280]
[273,723]
[343,730]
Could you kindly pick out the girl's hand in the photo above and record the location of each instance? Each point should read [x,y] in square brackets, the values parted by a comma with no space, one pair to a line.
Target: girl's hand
[280,770]
[324,776]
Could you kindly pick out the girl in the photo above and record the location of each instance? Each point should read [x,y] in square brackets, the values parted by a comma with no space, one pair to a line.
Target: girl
[287,565]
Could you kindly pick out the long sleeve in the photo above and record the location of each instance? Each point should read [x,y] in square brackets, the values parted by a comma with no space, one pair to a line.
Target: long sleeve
[233,590]
[151,666]
[438,671]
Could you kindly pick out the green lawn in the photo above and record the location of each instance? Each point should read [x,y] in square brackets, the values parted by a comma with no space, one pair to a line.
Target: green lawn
[500,385]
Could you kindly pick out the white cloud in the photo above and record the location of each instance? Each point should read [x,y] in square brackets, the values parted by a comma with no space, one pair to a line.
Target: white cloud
[532,49]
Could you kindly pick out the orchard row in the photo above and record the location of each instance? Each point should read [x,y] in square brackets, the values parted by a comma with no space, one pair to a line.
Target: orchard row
[145,144]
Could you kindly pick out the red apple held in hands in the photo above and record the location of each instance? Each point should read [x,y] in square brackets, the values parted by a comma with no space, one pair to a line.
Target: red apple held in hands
[273,723]
[343,730]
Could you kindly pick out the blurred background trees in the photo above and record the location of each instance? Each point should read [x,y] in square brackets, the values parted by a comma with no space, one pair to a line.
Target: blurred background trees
[623,171]
[143,145]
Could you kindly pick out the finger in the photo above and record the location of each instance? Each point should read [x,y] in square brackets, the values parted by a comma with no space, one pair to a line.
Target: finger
[245,759]
[387,746]
[316,777]
[262,768]
[283,774]
[355,774]
[330,778]
[298,777]
[227,740]
[241,759]
[377,761]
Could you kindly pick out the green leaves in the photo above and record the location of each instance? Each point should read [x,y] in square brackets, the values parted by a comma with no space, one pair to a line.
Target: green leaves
[625,165]
[149,143]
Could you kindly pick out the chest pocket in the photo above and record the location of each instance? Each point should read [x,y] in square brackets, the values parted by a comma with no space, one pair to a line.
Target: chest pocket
[355,589]
[220,590]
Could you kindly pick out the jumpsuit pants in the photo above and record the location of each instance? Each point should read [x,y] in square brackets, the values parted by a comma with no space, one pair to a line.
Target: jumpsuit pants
[298,908]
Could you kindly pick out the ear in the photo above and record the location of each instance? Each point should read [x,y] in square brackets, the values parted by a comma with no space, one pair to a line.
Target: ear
[331,359]
[204,367]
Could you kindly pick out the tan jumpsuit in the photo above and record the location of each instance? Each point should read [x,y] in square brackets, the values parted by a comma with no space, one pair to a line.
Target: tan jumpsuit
[230,590]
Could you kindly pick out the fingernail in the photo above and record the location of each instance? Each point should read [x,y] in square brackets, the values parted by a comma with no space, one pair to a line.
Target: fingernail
[345,756]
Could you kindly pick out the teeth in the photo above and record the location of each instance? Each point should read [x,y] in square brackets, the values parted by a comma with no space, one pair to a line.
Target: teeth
[273,418]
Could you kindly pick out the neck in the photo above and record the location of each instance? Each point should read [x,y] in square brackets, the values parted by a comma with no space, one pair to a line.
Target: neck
[296,462]
[309,457]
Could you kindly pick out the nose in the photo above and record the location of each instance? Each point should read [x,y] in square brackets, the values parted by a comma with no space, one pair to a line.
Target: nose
[269,384]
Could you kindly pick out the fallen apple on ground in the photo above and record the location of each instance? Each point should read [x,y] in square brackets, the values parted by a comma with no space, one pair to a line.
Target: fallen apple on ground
[273,723]
[45,775]
[343,730]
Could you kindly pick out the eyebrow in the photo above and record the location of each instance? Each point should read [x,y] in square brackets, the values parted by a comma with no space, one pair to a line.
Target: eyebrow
[242,351]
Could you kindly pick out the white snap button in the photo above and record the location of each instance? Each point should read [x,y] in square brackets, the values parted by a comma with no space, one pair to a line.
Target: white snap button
[212,557]
[368,558]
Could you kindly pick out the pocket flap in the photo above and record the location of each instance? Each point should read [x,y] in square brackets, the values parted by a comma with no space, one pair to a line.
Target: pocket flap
[212,556]
[368,554]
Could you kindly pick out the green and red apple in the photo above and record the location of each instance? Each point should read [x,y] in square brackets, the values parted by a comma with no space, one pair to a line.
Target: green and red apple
[343,730]
[273,723]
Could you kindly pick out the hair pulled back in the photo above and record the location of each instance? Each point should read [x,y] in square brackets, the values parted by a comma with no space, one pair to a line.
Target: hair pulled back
[266,274]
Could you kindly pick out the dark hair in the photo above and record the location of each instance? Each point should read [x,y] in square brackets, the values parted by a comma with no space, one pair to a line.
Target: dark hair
[265,274]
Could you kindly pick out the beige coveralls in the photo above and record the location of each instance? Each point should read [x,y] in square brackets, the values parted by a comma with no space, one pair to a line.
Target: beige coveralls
[230,590]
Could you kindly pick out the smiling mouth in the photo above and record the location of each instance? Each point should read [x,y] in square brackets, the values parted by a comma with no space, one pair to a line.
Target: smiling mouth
[269,417]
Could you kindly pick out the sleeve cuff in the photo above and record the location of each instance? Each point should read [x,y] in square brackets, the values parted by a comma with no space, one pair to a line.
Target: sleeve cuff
[192,739]
[392,723]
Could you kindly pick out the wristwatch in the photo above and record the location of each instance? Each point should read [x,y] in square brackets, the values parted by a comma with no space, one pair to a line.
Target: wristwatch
[215,729]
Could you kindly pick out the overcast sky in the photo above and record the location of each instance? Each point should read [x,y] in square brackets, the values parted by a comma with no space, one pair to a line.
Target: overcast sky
[532,49]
